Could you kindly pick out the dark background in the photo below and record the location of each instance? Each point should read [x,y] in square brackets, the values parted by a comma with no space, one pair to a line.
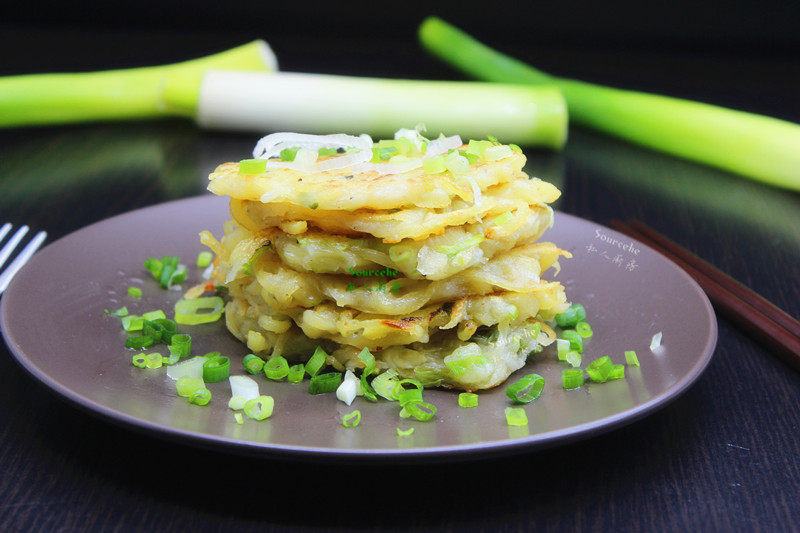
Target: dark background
[723,457]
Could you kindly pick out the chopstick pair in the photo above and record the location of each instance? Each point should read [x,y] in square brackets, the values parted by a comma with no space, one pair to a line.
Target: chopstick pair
[760,318]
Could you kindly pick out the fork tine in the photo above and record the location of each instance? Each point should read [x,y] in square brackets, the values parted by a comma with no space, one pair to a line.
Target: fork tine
[11,244]
[21,259]
[5,229]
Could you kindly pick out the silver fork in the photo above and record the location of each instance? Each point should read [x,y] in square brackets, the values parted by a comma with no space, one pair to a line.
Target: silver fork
[24,255]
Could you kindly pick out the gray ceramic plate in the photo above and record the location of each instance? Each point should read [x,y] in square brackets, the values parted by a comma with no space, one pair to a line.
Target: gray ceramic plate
[53,322]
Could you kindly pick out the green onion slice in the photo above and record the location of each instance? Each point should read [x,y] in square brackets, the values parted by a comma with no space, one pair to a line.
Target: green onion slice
[584,329]
[630,358]
[204,259]
[216,368]
[139,360]
[135,292]
[400,387]
[252,166]
[153,330]
[324,383]
[186,386]
[516,416]
[189,311]
[420,410]
[276,368]
[467,399]
[154,360]
[385,383]
[526,389]
[236,403]
[574,314]
[238,417]
[154,266]
[366,357]
[600,369]
[154,315]
[575,340]
[137,343]
[121,312]
[169,264]
[200,397]
[352,419]
[404,432]
[409,395]
[296,373]
[453,249]
[180,345]
[168,329]
[253,364]
[572,379]
[132,323]
[573,358]
[259,408]
[618,372]
[317,361]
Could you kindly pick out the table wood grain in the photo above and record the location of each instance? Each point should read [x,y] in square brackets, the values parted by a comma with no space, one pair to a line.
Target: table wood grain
[722,457]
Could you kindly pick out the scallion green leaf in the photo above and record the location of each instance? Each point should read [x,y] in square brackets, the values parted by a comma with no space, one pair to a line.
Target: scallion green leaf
[238,417]
[154,315]
[296,373]
[573,358]
[135,292]
[132,323]
[600,369]
[385,383]
[180,345]
[420,410]
[216,368]
[405,432]
[366,357]
[584,329]
[572,379]
[324,383]
[252,166]
[186,386]
[317,361]
[516,416]
[139,360]
[575,340]
[200,397]
[121,312]
[199,311]
[618,372]
[137,343]
[631,359]
[154,360]
[253,364]
[236,403]
[574,314]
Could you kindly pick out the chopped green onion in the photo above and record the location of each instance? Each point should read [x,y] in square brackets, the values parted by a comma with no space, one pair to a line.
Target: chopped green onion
[493,140]
[453,249]
[575,340]
[317,361]
[236,403]
[327,152]
[238,417]
[296,373]
[216,368]
[121,312]
[574,314]
[573,358]
[404,432]
[168,329]
[434,165]
[420,410]
[253,364]
[154,360]
[276,368]
[467,399]
[324,383]
[584,329]
[456,163]
[169,266]
[139,360]
[618,372]
[600,369]
[562,345]
[247,268]
[399,387]
[180,345]
[132,323]
[526,389]
[186,386]
[200,397]
[259,408]
[471,158]
[252,166]
[154,315]
[204,259]
[515,148]
[154,266]
[502,219]
[288,154]
[516,416]
[351,420]
[409,395]
[572,379]
[189,311]
[153,330]
[384,384]
[135,292]
[478,148]
[139,342]
[366,357]
[631,359]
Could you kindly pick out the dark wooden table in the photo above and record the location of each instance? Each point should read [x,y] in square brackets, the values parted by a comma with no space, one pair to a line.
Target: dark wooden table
[723,457]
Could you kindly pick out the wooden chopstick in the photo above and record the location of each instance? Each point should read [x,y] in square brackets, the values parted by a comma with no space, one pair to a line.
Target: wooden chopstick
[773,327]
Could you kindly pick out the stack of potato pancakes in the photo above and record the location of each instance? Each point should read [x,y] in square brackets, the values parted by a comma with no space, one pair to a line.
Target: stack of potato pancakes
[424,251]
